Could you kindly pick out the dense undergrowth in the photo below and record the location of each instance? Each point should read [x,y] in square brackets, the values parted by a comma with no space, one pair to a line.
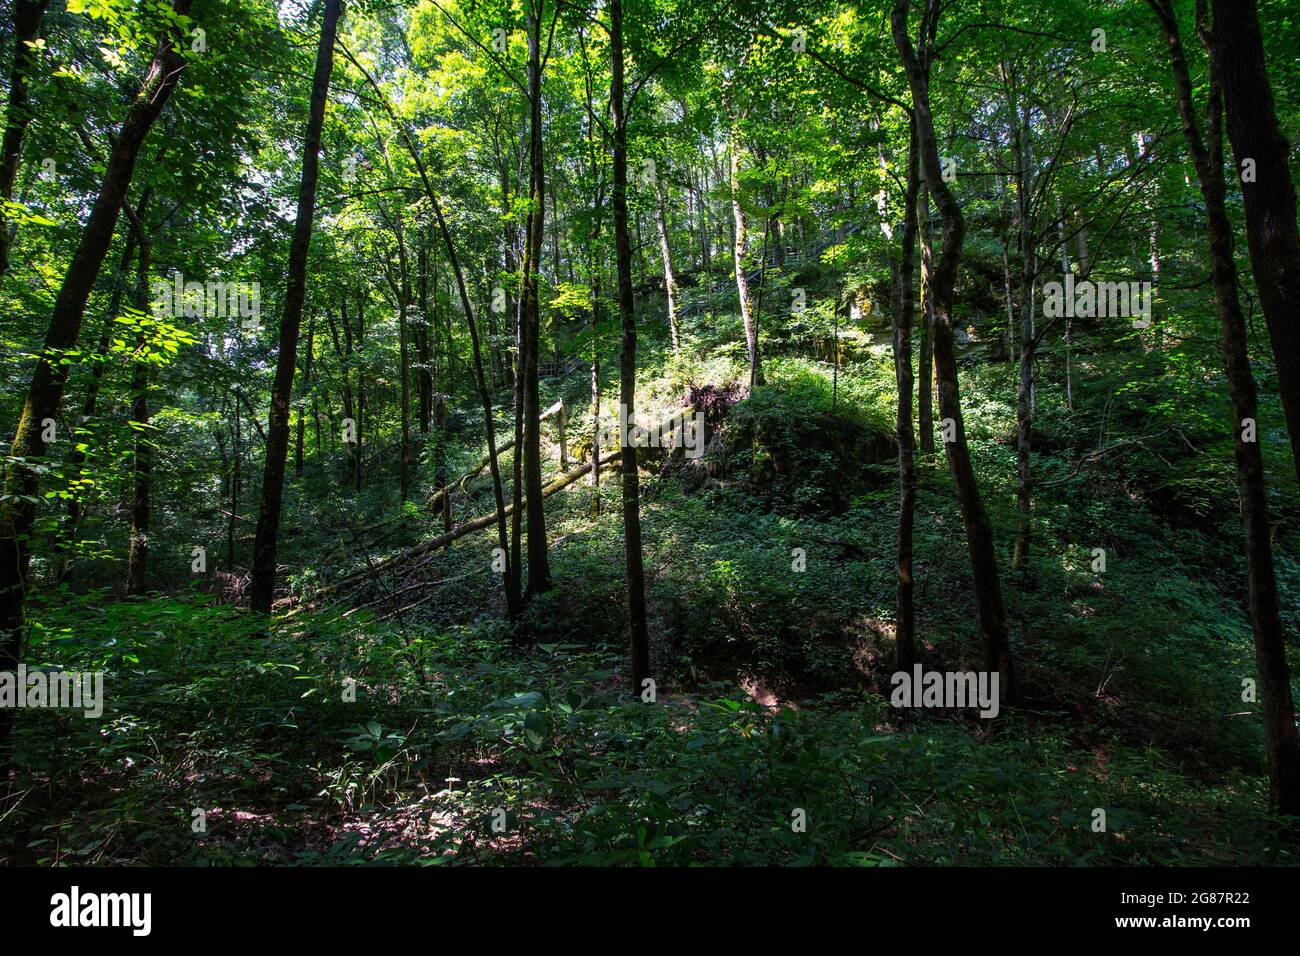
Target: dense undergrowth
[225,740]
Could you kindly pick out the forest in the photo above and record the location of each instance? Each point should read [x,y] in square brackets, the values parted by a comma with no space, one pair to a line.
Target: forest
[650,433]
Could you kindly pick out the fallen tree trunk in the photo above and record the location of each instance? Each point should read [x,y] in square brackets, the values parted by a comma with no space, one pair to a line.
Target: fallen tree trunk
[469,527]
[434,501]
[663,430]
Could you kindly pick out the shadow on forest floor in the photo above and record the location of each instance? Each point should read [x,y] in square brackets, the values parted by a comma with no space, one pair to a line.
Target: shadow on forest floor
[222,744]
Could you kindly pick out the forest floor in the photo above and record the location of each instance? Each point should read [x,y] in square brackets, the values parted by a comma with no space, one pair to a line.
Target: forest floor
[225,741]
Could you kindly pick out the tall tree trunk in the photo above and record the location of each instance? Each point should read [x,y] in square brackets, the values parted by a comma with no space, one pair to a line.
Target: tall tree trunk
[402,290]
[302,404]
[405,464]
[424,374]
[639,246]
[670,282]
[299,441]
[706,263]
[1270,649]
[1067,336]
[555,235]
[1145,152]
[1028,341]
[905,641]
[636,609]
[539,571]
[979,533]
[436,412]
[27,16]
[925,357]
[1268,196]
[440,458]
[137,560]
[262,586]
[361,387]
[738,257]
[449,372]
[509,239]
[595,416]
[18,510]
[517,459]
[595,271]
[344,356]
[235,483]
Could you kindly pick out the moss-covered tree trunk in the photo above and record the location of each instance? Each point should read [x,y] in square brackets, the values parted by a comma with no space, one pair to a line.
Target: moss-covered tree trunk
[45,393]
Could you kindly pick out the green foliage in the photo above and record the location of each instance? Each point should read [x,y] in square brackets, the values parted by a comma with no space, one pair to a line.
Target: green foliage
[208,711]
[391,714]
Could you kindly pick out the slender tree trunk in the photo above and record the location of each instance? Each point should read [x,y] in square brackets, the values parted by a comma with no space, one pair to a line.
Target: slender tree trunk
[670,282]
[595,424]
[262,586]
[636,608]
[299,442]
[509,240]
[1268,195]
[595,271]
[424,375]
[706,263]
[302,404]
[905,642]
[27,16]
[639,246]
[979,533]
[402,290]
[539,571]
[1024,433]
[1068,336]
[440,466]
[738,257]
[1270,648]
[344,356]
[1145,152]
[436,383]
[1028,341]
[555,235]
[18,510]
[449,373]
[925,358]
[361,388]
[405,465]
[235,482]
[1008,295]
[137,560]
[517,459]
